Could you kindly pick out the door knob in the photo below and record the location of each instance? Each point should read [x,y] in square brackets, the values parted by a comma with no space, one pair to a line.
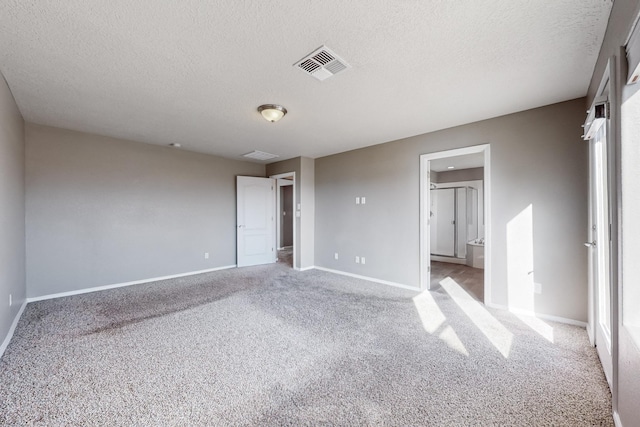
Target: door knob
[590,244]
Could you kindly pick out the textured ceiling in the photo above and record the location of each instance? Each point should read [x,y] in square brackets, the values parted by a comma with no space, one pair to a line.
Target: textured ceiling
[194,71]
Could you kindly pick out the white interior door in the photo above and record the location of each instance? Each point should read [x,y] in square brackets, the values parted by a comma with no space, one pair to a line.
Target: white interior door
[599,247]
[255,221]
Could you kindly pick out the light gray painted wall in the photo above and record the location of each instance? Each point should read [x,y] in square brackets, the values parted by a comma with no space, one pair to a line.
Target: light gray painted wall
[629,352]
[537,159]
[102,211]
[12,228]
[621,20]
[308,212]
[305,196]
[473,174]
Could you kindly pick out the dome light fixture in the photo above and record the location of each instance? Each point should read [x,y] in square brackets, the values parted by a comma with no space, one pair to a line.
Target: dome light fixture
[272,112]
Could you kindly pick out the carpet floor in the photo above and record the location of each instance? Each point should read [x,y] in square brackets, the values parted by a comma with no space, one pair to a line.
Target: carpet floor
[269,345]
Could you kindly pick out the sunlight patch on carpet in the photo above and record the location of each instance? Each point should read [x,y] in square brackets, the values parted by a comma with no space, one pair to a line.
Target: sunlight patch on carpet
[433,319]
[495,332]
[541,327]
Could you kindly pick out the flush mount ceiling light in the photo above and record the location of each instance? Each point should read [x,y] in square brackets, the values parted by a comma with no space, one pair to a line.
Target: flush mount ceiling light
[272,112]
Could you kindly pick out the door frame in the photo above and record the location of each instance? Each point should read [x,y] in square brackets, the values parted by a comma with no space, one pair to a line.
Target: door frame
[295,216]
[610,78]
[280,185]
[425,202]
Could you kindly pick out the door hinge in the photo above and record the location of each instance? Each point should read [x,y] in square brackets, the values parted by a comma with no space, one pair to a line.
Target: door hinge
[429,269]
[608,112]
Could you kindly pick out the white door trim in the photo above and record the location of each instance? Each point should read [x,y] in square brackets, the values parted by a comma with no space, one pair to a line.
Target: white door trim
[425,202]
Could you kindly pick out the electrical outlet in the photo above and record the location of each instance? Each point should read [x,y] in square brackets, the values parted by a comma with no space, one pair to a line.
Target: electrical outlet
[537,288]
[363,200]
[357,260]
[362,260]
[10,300]
[335,256]
[206,255]
[357,200]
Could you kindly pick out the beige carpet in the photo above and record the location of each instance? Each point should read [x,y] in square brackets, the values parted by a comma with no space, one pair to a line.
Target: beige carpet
[272,346]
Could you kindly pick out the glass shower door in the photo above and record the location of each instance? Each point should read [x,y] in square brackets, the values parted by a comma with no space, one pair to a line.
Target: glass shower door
[443,221]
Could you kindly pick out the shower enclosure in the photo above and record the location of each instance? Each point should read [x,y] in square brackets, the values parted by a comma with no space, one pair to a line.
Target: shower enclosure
[454,220]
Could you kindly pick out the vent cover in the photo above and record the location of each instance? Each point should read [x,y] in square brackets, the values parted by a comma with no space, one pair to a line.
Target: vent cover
[322,64]
[260,155]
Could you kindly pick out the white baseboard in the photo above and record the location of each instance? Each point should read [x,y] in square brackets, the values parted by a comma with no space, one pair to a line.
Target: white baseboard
[12,329]
[120,285]
[539,315]
[305,268]
[616,419]
[370,279]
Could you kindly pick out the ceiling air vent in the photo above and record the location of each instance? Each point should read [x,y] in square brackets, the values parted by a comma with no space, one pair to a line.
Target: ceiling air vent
[322,63]
[260,155]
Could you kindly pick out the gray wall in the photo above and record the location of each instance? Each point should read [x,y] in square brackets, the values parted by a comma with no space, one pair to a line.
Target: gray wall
[472,174]
[102,211]
[621,20]
[629,353]
[308,199]
[305,196]
[537,158]
[12,228]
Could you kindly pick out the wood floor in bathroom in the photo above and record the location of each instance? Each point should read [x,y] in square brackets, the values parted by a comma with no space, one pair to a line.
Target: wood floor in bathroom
[469,278]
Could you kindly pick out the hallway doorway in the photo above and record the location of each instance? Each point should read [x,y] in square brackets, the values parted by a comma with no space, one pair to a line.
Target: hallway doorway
[285,218]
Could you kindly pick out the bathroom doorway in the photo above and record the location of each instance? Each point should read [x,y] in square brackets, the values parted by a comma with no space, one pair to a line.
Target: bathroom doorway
[455,219]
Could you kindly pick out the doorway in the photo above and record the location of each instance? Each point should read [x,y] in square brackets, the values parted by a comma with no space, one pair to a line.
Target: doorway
[598,132]
[455,219]
[286,219]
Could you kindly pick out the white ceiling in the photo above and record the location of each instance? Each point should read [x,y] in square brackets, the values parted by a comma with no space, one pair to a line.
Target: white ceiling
[194,71]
